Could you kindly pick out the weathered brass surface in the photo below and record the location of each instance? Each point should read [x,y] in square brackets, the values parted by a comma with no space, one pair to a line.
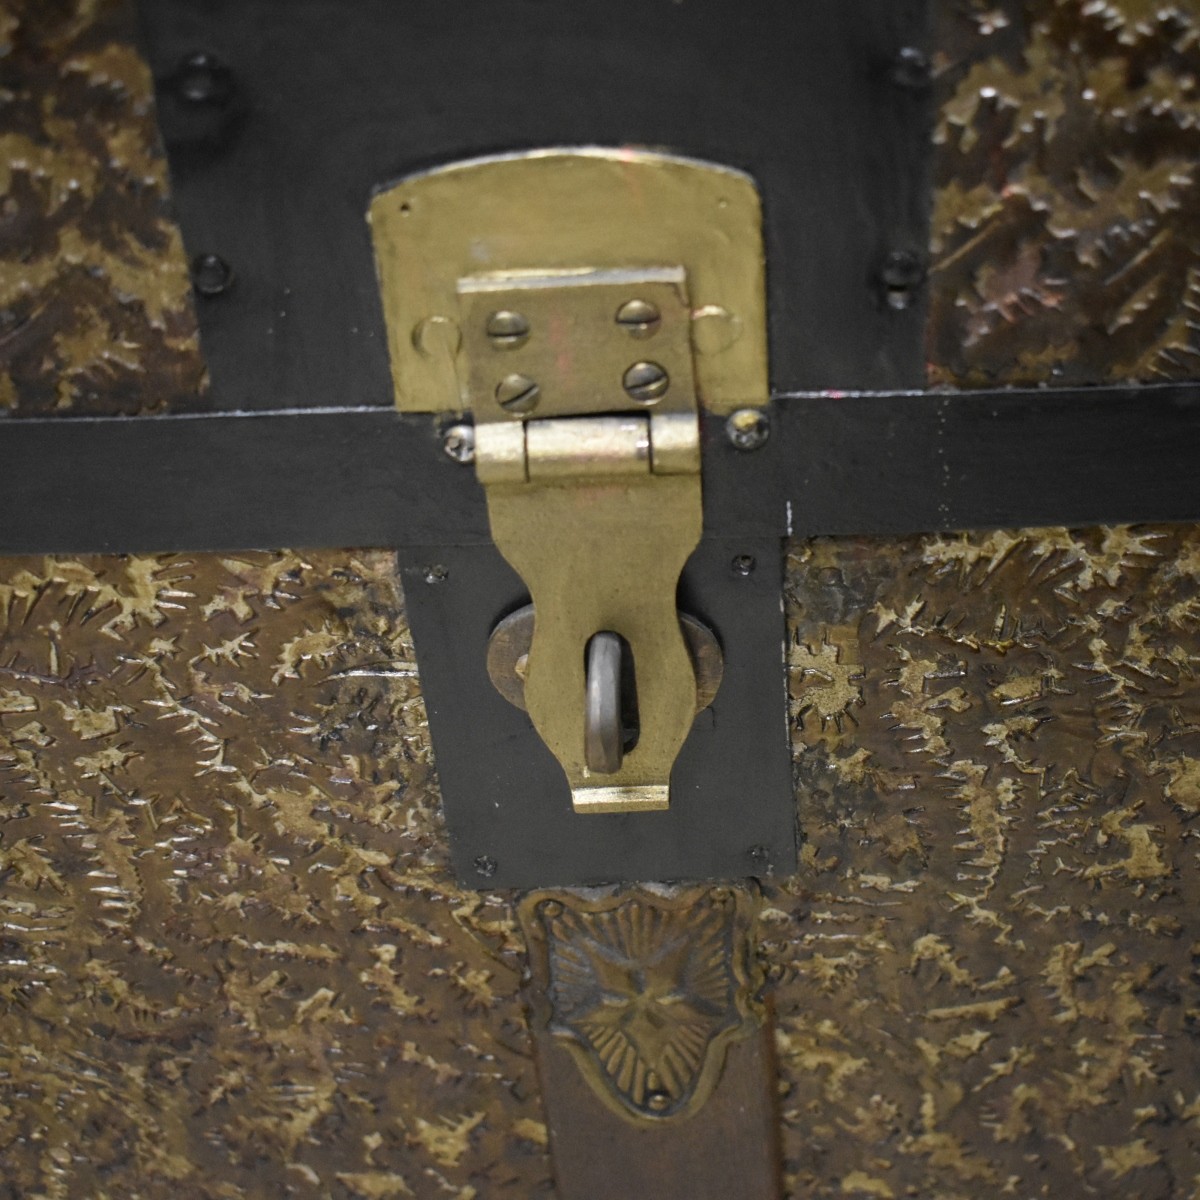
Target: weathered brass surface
[576,350]
[95,304]
[985,970]
[1066,217]
[508,654]
[588,209]
[646,987]
[234,962]
[596,523]
[605,554]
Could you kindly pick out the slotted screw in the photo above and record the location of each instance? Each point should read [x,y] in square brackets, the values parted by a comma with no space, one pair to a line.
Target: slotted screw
[646,382]
[639,318]
[507,329]
[518,394]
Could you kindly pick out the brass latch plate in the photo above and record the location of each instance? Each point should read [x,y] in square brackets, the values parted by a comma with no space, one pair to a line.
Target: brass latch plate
[584,306]
[588,443]
[586,209]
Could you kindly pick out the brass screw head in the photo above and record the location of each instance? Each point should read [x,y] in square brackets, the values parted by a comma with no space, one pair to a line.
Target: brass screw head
[518,394]
[639,318]
[646,382]
[748,428]
[507,329]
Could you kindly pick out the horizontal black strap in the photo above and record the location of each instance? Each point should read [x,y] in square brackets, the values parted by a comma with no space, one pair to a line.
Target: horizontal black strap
[868,463]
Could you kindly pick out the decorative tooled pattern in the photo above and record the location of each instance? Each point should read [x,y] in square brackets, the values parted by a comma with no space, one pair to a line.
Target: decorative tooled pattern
[985,976]
[95,305]
[1066,219]
[233,960]
[647,988]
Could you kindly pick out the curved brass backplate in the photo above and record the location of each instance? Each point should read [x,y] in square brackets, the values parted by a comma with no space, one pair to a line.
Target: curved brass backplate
[646,989]
[562,210]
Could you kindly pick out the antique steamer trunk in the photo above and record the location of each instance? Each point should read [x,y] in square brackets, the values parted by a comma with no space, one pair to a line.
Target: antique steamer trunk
[823,375]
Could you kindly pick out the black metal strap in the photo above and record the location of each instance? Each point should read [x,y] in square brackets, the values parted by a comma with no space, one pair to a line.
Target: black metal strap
[870,463]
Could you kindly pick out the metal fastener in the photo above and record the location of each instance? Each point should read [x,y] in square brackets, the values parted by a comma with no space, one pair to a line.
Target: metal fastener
[459,443]
[436,574]
[743,564]
[646,382]
[485,865]
[911,69]
[759,855]
[748,428]
[658,1101]
[211,274]
[203,79]
[507,329]
[518,394]
[901,274]
[639,318]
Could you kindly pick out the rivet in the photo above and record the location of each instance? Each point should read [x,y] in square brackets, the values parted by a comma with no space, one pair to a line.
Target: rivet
[203,79]
[743,564]
[211,274]
[759,855]
[485,865]
[436,574]
[748,428]
[901,273]
[458,442]
[639,318]
[646,382]
[658,1101]
[437,337]
[518,394]
[507,329]
[714,329]
[911,69]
